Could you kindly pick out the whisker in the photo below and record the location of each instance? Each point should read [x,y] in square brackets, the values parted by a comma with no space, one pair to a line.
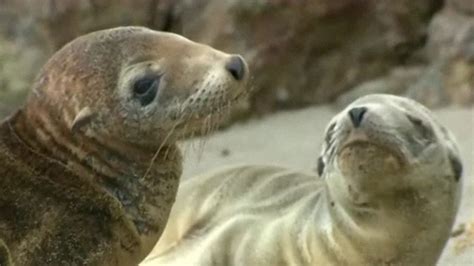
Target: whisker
[203,137]
[170,133]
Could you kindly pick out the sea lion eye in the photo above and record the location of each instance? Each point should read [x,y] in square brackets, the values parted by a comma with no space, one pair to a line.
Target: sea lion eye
[146,88]
[425,130]
[330,132]
[456,165]
[320,166]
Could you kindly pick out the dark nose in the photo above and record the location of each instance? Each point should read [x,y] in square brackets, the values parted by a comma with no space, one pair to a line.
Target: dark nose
[236,67]
[357,115]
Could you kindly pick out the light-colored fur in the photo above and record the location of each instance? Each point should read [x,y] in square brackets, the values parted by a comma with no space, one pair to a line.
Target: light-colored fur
[388,194]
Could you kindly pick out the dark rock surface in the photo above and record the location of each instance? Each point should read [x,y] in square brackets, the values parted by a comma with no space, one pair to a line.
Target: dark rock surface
[447,77]
[301,52]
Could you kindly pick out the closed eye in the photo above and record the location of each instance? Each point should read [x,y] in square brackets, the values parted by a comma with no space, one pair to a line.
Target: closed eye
[422,127]
[320,166]
[330,132]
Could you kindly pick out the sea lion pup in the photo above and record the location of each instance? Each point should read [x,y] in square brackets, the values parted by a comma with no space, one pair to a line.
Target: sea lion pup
[388,195]
[89,167]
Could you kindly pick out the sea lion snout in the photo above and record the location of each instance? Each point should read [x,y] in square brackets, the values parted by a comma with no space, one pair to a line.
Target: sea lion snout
[381,141]
[356,115]
[237,67]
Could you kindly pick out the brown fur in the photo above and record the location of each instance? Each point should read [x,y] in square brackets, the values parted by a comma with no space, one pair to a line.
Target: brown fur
[100,193]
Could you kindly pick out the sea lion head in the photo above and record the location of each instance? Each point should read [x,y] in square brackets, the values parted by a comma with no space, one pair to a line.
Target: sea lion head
[384,145]
[138,85]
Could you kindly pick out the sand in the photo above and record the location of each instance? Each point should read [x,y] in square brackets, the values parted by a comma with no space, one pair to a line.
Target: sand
[293,138]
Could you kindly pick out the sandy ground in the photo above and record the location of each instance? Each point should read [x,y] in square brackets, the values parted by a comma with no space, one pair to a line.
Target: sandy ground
[293,139]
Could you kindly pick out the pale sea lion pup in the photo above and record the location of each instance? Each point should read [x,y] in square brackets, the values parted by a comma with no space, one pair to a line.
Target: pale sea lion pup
[89,167]
[388,195]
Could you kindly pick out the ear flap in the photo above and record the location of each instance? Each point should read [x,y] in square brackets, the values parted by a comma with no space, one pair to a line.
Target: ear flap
[321,166]
[453,154]
[83,118]
[456,166]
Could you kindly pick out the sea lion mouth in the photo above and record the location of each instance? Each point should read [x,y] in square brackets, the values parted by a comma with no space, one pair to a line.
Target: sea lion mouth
[367,157]
[203,119]
[378,143]
[383,148]
[214,107]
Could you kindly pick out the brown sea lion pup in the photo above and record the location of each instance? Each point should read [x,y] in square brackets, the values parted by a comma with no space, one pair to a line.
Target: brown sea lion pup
[388,195]
[89,167]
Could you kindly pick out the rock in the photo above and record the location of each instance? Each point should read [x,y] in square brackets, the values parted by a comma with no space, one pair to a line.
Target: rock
[459,82]
[30,31]
[300,52]
[396,82]
[62,20]
[310,52]
[17,68]
[428,89]
[451,33]
[462,6]
[449,77]
[445,82]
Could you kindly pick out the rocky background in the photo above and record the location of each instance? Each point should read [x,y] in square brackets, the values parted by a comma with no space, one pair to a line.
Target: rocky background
[301,52]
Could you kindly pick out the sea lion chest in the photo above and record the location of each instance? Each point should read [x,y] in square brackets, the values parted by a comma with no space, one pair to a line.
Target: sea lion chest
[51,214]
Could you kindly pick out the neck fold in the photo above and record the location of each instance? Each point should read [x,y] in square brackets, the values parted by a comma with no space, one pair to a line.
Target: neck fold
[144,180]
